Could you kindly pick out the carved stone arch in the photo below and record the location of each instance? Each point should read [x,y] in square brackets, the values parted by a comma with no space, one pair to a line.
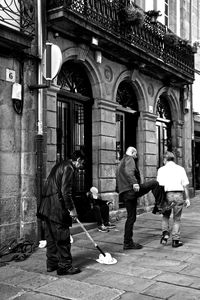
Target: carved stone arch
[77,55]
[173,102]
[126,95]
[141,95]
[175,106]
[74,79]
[136,86]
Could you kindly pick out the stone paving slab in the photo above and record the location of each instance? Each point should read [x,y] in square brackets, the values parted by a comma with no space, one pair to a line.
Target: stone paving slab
[71,289]
[127,268]
[35,282]
[168,291]
[35,296]
[134,296]
[179,279]
[164,252]
[195,259]
[120,281]
[8,291]
[191,270]
[161,264]
[18,278]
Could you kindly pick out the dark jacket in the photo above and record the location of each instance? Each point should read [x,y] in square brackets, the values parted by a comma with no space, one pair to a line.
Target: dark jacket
[94,202]
[57,195]
[127,174]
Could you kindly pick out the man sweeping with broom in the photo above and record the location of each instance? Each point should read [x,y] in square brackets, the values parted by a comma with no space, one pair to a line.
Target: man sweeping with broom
[57,210]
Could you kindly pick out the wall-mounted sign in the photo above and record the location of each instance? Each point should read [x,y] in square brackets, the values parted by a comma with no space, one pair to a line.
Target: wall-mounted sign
[52,61]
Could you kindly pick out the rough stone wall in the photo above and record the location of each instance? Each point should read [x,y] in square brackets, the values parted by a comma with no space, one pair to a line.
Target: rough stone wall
[17,156]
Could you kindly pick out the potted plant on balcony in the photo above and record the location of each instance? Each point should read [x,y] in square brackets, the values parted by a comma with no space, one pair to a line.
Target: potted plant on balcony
[153,14]
[131,15]
[171,39]
[195,47]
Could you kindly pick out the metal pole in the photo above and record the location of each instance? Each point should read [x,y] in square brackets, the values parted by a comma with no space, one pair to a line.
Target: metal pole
[39,137]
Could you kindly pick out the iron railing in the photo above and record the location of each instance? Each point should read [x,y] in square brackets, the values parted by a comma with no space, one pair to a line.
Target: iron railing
[18,15]
[149,37]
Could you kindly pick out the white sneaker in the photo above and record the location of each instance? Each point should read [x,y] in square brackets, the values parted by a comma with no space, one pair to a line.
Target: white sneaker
[42,244]
[103,228]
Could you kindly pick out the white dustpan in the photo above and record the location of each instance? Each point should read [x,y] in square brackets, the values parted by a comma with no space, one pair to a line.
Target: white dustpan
[107,259]
[104,258]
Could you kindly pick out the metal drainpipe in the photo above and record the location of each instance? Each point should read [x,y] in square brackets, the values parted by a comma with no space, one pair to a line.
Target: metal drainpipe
[39,137]
[191,107]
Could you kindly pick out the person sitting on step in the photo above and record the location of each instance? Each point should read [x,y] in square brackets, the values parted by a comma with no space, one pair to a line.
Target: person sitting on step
[98,211]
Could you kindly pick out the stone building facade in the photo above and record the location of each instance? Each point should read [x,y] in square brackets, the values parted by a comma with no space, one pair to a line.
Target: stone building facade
[119,85]
[18,119]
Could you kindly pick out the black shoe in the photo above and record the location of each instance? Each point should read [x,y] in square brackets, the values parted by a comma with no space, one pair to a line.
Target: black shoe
[70,271]
[51,269]
[135,246]
[176,243]
[164,238]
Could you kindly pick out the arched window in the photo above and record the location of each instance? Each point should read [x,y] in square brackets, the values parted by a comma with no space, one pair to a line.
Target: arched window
[73,78]
[126,96]
[163,124]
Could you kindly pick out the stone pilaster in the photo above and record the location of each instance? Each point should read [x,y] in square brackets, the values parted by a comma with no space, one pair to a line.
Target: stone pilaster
[50,125]
[147,145]
[104,148]
[147,152]
[177,141]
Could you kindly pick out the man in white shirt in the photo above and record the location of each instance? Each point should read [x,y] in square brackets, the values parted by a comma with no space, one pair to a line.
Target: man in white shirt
[175,181]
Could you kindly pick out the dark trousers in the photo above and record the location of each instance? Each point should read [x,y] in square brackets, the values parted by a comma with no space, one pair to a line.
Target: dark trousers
[58,245]
[99,214]
[41,233]
[130,200]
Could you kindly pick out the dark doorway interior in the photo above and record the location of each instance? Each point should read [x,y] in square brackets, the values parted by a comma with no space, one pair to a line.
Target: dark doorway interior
[126,121]
[131,121]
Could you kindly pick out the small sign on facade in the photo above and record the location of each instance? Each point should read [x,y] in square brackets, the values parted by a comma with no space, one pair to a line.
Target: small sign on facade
[151,109]
[10,75]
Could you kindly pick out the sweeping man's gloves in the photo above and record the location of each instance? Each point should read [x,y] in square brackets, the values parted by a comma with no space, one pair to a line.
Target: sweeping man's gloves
[136,187]
[73,214]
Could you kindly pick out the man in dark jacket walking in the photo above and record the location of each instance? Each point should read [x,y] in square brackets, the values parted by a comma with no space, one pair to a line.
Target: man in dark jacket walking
[57,210]
[130,189]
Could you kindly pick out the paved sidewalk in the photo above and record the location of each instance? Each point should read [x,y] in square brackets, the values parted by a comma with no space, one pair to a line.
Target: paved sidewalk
[154,272]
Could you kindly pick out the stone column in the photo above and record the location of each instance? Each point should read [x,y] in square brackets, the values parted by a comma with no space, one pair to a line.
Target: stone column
[177,141]
[104,148]
[50,121]
[147,145]
[147,152]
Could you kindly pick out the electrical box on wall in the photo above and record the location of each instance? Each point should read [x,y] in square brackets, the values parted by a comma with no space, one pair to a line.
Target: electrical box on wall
[17,91]
[10,75]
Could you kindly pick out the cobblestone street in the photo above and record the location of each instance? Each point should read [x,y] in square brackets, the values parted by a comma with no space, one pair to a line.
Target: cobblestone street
[154,272]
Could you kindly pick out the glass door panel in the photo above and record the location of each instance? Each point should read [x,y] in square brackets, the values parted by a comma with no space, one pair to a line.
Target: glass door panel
[120,136]
[162,141]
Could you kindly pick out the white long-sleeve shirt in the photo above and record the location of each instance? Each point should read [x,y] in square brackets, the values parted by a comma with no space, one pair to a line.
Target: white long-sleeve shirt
[173,177]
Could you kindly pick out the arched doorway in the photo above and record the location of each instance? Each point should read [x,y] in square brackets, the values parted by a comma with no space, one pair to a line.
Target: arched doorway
[126,118]
[74,120]
[126,121]
[163,128]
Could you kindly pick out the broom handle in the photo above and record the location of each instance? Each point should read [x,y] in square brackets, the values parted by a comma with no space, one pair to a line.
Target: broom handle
[88,235]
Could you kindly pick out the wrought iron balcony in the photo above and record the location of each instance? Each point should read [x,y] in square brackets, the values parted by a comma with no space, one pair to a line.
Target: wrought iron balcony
[17,23]
[139,44]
